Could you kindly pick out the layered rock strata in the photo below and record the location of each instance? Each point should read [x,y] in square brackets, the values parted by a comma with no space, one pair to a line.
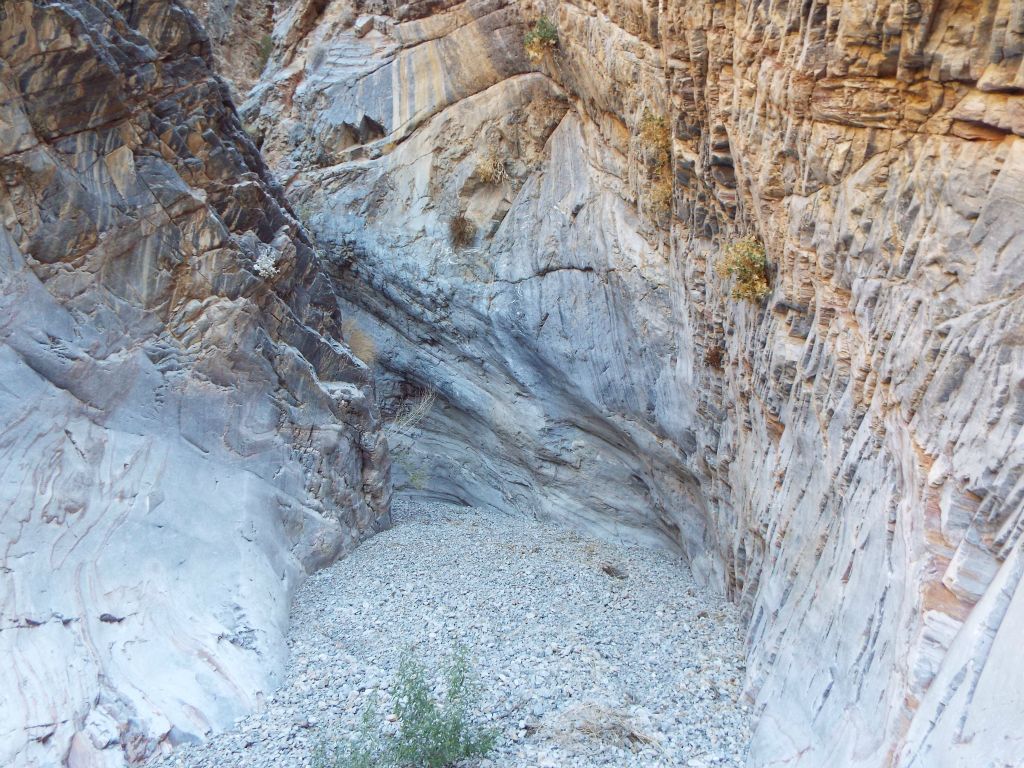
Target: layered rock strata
[844,457]
[183,433]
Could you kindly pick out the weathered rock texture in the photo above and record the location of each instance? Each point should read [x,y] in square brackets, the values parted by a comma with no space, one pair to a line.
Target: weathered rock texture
[181,438]
[844,459]
[239,33]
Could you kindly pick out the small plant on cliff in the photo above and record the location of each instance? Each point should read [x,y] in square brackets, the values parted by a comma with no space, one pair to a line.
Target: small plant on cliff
[746,262]
[359,341]
[265,265]
[415,477]
[655,140]
[266,47]
[714,357]
[491,168]
[408,414]
[541,40]
[461,230]
[431,733]
[661,194]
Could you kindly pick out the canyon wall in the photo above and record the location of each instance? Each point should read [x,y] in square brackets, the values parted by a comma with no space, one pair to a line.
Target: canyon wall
[844,457]
[183,434]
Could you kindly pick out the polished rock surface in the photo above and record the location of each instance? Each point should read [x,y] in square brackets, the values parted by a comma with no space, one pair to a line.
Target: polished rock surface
[843,459]
[183,433]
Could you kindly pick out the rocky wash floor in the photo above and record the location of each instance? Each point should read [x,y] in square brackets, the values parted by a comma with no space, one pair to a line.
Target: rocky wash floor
[589,654]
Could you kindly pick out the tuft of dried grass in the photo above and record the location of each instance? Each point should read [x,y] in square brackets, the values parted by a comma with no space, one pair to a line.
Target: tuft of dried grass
[491,168]
[409,413]
[601,722]
[461,230]
[746,262]
[714,357]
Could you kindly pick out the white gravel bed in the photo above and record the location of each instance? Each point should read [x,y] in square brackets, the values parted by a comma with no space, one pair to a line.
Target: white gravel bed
[588,653]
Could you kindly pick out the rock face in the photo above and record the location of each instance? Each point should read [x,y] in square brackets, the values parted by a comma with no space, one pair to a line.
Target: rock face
[843,458]
[183,434]
[240,40]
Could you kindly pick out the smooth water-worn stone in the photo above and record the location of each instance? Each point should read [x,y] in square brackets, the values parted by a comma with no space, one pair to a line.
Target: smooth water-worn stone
[183,433]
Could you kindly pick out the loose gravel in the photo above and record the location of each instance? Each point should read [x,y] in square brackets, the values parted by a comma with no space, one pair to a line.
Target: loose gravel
[588,653]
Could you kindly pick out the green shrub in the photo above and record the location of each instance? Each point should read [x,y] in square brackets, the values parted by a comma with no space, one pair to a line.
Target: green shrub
[417,479]
[541,40]
[431,734]
[264,51]
[254,133]
[745,261]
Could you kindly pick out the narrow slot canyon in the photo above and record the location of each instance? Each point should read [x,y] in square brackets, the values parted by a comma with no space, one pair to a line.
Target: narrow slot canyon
[661,362]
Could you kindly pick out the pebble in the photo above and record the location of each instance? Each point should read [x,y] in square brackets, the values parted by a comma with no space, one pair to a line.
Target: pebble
[581,665]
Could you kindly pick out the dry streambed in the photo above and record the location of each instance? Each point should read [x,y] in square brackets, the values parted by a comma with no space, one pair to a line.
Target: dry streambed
[588,653]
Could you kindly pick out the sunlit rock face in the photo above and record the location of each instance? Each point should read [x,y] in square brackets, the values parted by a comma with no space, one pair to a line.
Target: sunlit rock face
[182,433]
[843,458]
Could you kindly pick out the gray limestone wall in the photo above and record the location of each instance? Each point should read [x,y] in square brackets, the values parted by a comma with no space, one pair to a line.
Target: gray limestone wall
[183,433]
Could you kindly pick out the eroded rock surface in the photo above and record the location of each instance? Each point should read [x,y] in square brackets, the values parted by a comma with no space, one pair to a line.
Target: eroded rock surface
[844,459]
[183,435]
[239,37]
